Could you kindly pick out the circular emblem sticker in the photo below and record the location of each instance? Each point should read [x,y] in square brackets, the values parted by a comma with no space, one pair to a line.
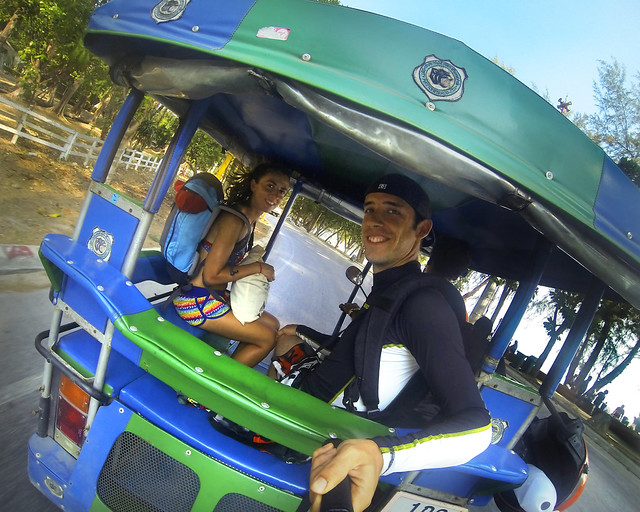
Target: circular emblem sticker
[440,79]
[498,427]
[168,10]
[100,243]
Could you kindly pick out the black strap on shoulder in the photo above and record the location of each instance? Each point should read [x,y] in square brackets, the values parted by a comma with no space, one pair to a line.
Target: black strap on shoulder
[243,217]
[227,208]
[372,334]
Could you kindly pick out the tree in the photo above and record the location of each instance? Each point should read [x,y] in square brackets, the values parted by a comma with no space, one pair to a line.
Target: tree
[508,288]
[485,300]
[203,153]
[616,125]
[611,343]
[155,125]
[562,314]
[48,37]
[616,336]
[612,340]
[631,168]
[599,334]
[476,282]
[8,28]
[509,69]
[319,221]
[601,382]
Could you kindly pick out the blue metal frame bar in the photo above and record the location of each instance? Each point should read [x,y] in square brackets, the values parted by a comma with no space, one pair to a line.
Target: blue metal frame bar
[574,338]
[352,296]
[65,368]
[171,160]
[294,193]
[526,288]
[115,135]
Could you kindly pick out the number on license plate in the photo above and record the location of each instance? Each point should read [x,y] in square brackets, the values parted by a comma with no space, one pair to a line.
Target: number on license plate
[406,502]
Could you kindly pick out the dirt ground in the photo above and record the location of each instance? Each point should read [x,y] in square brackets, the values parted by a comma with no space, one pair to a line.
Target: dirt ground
[43,195]
[40,196]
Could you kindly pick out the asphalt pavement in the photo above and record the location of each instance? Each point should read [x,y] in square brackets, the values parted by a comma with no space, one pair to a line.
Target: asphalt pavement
[19,259]
[607,441]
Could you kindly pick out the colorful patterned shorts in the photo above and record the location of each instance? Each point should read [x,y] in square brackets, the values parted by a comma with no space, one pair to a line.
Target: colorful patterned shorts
[197,305]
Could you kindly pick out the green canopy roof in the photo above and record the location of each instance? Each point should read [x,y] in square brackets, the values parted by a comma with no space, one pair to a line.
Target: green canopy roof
[343,96]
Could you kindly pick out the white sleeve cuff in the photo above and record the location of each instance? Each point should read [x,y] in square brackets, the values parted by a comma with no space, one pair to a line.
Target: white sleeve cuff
[387,462]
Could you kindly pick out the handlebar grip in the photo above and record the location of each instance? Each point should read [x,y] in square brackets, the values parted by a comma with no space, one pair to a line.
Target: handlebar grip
[338,499]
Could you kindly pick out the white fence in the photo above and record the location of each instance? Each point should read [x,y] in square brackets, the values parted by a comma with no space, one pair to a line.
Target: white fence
[139,160]
[26,124]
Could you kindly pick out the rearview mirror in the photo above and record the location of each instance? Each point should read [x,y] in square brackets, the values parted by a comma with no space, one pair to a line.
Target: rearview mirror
[354,275]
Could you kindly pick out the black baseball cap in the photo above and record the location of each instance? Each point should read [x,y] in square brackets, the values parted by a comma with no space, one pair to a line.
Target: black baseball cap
[405,188]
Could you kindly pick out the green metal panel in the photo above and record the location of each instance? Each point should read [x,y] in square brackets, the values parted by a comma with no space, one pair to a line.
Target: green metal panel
[287,416]
[216,479]
[370,59]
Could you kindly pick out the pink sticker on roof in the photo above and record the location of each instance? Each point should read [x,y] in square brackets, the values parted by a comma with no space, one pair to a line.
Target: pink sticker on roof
[279,33]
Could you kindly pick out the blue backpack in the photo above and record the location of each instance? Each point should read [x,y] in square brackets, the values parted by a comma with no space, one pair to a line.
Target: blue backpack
[196,206]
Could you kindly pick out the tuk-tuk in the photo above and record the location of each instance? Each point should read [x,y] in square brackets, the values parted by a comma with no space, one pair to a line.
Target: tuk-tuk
[341,97]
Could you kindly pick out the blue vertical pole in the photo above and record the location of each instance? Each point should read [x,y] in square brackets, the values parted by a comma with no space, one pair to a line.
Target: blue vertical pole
[577,333]
[294,193]
[171,160]
[526,288]
[115,135]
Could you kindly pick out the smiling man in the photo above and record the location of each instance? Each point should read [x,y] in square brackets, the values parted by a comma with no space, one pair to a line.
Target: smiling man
[407,372]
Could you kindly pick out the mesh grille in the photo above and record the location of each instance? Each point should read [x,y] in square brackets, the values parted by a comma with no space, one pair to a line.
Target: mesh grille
[233,502]
[137,477]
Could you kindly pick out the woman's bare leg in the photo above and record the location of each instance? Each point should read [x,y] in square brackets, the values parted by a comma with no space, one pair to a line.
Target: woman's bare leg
[255,339]
[269,320]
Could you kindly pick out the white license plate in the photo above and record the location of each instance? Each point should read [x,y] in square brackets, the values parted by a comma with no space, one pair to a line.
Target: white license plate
[406,502]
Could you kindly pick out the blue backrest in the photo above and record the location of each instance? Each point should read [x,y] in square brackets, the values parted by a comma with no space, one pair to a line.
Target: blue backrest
[107,230]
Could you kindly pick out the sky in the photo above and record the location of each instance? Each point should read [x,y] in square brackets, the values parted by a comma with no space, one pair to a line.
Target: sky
[555,45]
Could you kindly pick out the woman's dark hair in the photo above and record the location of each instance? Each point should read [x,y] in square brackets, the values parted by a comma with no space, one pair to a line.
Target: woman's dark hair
[239,191]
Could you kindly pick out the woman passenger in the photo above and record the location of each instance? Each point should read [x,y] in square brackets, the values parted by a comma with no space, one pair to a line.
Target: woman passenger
[222,249]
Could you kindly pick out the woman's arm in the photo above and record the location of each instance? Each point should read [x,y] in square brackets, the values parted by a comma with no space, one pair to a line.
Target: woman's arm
[223,236]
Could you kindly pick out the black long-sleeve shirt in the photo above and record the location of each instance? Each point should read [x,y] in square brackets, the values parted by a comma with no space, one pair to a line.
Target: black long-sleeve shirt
[423,337]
